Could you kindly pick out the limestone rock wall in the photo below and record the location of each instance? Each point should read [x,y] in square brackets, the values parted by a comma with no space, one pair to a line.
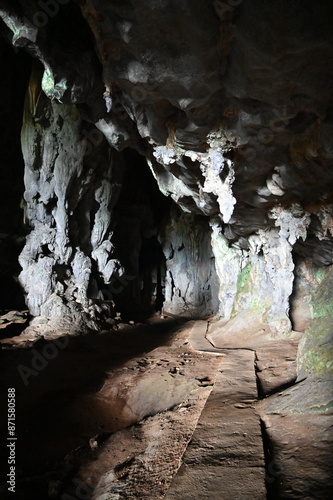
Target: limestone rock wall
[315,357]
[68,201]
[191,282]
[229,101]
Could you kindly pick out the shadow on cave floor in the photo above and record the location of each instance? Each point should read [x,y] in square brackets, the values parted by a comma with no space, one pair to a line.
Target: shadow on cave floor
[72,394]
[48,380]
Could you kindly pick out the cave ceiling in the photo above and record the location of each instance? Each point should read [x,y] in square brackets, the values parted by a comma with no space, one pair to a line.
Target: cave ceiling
[229,101]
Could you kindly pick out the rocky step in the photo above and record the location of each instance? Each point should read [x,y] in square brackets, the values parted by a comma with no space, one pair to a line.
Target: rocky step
[197,338]
[225,457]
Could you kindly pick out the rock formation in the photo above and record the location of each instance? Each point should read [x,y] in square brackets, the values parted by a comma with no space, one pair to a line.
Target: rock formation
[229,104]
[169,157]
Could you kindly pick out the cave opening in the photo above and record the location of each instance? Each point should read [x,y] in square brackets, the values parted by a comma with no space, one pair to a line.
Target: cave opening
[138,218]
[15,67]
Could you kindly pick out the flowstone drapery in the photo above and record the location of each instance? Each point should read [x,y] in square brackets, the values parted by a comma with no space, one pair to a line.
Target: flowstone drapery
[69,194]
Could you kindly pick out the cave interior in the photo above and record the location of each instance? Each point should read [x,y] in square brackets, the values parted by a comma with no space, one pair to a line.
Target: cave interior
[166,249]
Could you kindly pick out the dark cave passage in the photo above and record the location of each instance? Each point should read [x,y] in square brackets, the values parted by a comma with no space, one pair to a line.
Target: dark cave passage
[138,220]
[15,67]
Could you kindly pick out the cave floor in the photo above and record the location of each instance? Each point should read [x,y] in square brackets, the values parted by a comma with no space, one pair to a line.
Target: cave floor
[154,411]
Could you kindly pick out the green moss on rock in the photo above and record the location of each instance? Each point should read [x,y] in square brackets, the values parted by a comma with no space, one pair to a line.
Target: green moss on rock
[243,278]
[316,348]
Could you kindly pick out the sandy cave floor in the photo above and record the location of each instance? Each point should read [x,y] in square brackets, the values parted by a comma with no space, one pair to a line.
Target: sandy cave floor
[70,414]
[109,416]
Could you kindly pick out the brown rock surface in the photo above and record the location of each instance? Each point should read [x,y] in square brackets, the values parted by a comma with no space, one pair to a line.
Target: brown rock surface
[225,458]
[302,447]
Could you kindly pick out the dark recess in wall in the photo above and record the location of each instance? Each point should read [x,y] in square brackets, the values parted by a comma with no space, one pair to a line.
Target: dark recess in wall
[15,69]
[138,217]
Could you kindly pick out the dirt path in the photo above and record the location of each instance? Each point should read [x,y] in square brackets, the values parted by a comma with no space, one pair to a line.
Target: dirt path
[225,458]
[156,411]
[126,400]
